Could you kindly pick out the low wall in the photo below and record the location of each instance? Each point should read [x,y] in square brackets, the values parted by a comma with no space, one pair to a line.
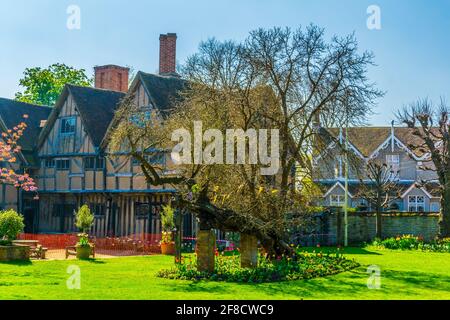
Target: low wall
[14,253]
[362,226]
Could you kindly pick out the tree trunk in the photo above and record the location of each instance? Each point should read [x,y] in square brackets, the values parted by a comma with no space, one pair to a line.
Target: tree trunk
[444,220]
[249,251]
[206,243]
[212,217]
[378,228]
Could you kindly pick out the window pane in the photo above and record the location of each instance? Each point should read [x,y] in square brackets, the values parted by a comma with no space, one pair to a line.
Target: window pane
[100,162]
[67,125]
[63,164]
[420,199]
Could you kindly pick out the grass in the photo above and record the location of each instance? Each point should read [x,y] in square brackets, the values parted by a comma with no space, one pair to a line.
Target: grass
[404,275]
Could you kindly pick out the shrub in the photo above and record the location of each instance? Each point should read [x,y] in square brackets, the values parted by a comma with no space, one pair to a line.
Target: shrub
[227,268]
[409,242]
[83,240]
[167,223]
[11,225]
[84,219]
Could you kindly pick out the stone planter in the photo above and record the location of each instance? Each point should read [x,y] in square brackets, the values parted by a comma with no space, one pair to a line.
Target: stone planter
[168,248]
[83,253]
[14,253]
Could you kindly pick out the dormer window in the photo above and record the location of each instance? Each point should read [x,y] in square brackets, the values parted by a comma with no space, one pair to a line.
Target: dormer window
[68,125]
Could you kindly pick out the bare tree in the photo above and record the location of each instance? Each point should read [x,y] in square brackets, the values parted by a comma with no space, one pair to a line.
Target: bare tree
[430,125]
[276,79]
[381,189]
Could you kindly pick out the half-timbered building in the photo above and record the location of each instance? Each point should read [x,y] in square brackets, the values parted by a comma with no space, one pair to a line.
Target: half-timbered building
[76,166]
[11,114]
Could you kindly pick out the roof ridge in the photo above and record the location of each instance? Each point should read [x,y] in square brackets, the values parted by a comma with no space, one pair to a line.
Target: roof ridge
[164,76]
[93,88]
[26,103]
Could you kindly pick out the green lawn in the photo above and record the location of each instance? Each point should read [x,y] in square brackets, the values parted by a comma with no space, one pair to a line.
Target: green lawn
[405,275]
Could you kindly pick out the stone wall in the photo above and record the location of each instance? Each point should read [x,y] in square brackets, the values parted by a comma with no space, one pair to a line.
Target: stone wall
[361,226]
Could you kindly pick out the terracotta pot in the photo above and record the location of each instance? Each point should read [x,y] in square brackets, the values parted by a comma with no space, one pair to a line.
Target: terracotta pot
[84,253]
[168,248]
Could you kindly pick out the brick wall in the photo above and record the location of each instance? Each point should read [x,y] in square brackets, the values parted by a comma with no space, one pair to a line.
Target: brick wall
[361,226]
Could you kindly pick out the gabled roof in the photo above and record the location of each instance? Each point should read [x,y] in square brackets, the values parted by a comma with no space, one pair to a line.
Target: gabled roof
[11,114]
[96,108]
[368,139]
[365,139]
[164,91]
[354,187]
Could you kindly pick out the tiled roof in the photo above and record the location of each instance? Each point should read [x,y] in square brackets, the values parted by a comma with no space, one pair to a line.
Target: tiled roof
[164,91]
[12,112]
[368,139]
[96,108]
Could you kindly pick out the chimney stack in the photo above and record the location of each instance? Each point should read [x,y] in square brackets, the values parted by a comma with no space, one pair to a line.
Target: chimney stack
[112,77]
[167,53]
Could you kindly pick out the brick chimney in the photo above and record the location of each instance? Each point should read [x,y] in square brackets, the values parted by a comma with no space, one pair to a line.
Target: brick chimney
[167,53]
[112,77]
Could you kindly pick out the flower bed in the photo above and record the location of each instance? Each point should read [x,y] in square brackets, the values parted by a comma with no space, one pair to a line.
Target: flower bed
[409,242]
[304,265]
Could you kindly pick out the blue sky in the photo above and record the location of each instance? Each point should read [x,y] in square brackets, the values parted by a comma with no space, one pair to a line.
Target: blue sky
[412,49]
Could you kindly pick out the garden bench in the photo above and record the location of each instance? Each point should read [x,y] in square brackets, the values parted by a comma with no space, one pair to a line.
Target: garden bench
[36,250]
[72,251]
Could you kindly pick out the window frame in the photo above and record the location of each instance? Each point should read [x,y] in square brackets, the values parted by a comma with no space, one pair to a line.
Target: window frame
[391,163]
[62,168]
[416,204]
[149,157]
[98,163]
[46,163]
[340,200]
[62,127]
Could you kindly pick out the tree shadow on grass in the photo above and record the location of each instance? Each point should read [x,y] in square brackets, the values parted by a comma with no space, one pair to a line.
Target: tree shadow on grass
[348,250]
[93,261]
[350,285]
[19,263]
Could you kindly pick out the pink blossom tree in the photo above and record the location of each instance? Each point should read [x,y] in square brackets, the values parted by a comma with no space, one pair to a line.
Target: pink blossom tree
[9,148]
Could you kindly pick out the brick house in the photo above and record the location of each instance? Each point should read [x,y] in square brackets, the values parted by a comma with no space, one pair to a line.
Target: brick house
[388,145]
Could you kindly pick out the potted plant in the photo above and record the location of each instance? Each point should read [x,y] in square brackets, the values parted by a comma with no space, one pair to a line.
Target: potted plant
[11,225]
[84,220]
[168,224]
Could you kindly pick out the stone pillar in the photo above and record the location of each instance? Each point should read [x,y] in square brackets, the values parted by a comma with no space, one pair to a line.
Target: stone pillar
[206,243]
[249,251]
